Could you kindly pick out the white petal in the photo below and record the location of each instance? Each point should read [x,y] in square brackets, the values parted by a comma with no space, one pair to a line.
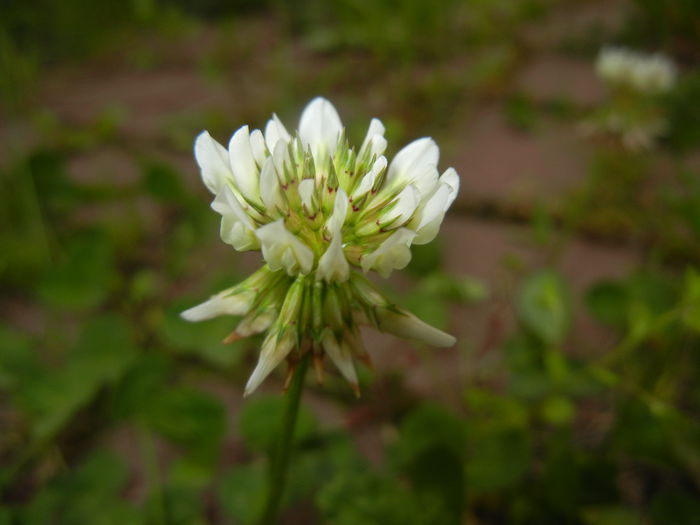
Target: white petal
[374,140]
[341,356]
[307,187]
[375,128]
[320,128]
[393,254]
[415,164]
[333,266]
[432,212]
[226,203]
[257,145]
[223,303]
[408,326]
[245,171]
[233,232]
[436,205]
[273,350]
[404,205]
[340,211]
[282,249]
[280,156]
[274,132]
[377,145]
[270,186]
[213,161]
[237,228]
[451,178]
[367,181]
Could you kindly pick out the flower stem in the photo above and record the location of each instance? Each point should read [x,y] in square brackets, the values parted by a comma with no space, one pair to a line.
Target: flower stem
[280,459]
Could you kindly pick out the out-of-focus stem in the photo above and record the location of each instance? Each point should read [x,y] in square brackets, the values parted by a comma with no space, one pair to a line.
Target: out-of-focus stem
[282,454]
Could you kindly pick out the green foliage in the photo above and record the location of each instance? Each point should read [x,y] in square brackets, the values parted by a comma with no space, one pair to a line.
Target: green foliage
[88,494]
[430,451]
[607,301]
[375,500]
[242,492]
[101,356]
[116,411]
[260,423]
[670,24]
[189,418]
[83,277]
[543,306]
[17,359]
[683,113]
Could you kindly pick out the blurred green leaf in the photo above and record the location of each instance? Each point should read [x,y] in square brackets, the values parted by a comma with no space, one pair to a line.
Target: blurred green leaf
[453,288]
[640,434]
[189,418]
[529,378]
[17,358]
[370,498]
[496,411]
[89,494]
[683,112]
[612,515]
[142,382]
[181,506]
[558,410]
[189,475]
[163,182]
[657,290]
[562,472]
[316,465]
[430,450]
[145,284]
[543,306]
[241,493]
[675,505]
[496,459]
[84,275]
[54,189]
[498,442]
[425,427]
[691,300]
[102,355]
[607,301]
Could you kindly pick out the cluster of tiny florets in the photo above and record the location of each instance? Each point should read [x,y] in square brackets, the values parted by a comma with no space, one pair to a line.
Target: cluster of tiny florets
[650,74]
[320,211]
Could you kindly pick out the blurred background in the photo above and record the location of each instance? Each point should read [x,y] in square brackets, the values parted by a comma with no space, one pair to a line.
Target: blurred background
[568,267]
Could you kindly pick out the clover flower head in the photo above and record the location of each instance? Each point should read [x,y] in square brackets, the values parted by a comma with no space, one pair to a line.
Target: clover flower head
[323,214]
[644,73]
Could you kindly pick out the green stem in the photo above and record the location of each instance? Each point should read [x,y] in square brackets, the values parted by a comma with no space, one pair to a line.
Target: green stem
[280,459]
[150,456]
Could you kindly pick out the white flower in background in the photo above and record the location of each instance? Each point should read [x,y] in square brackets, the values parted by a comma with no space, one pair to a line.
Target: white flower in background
[634,113]
[321,212]
[650,74]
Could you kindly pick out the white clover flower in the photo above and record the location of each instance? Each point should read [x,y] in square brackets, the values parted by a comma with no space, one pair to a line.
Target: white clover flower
[320,212]
[649,74]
